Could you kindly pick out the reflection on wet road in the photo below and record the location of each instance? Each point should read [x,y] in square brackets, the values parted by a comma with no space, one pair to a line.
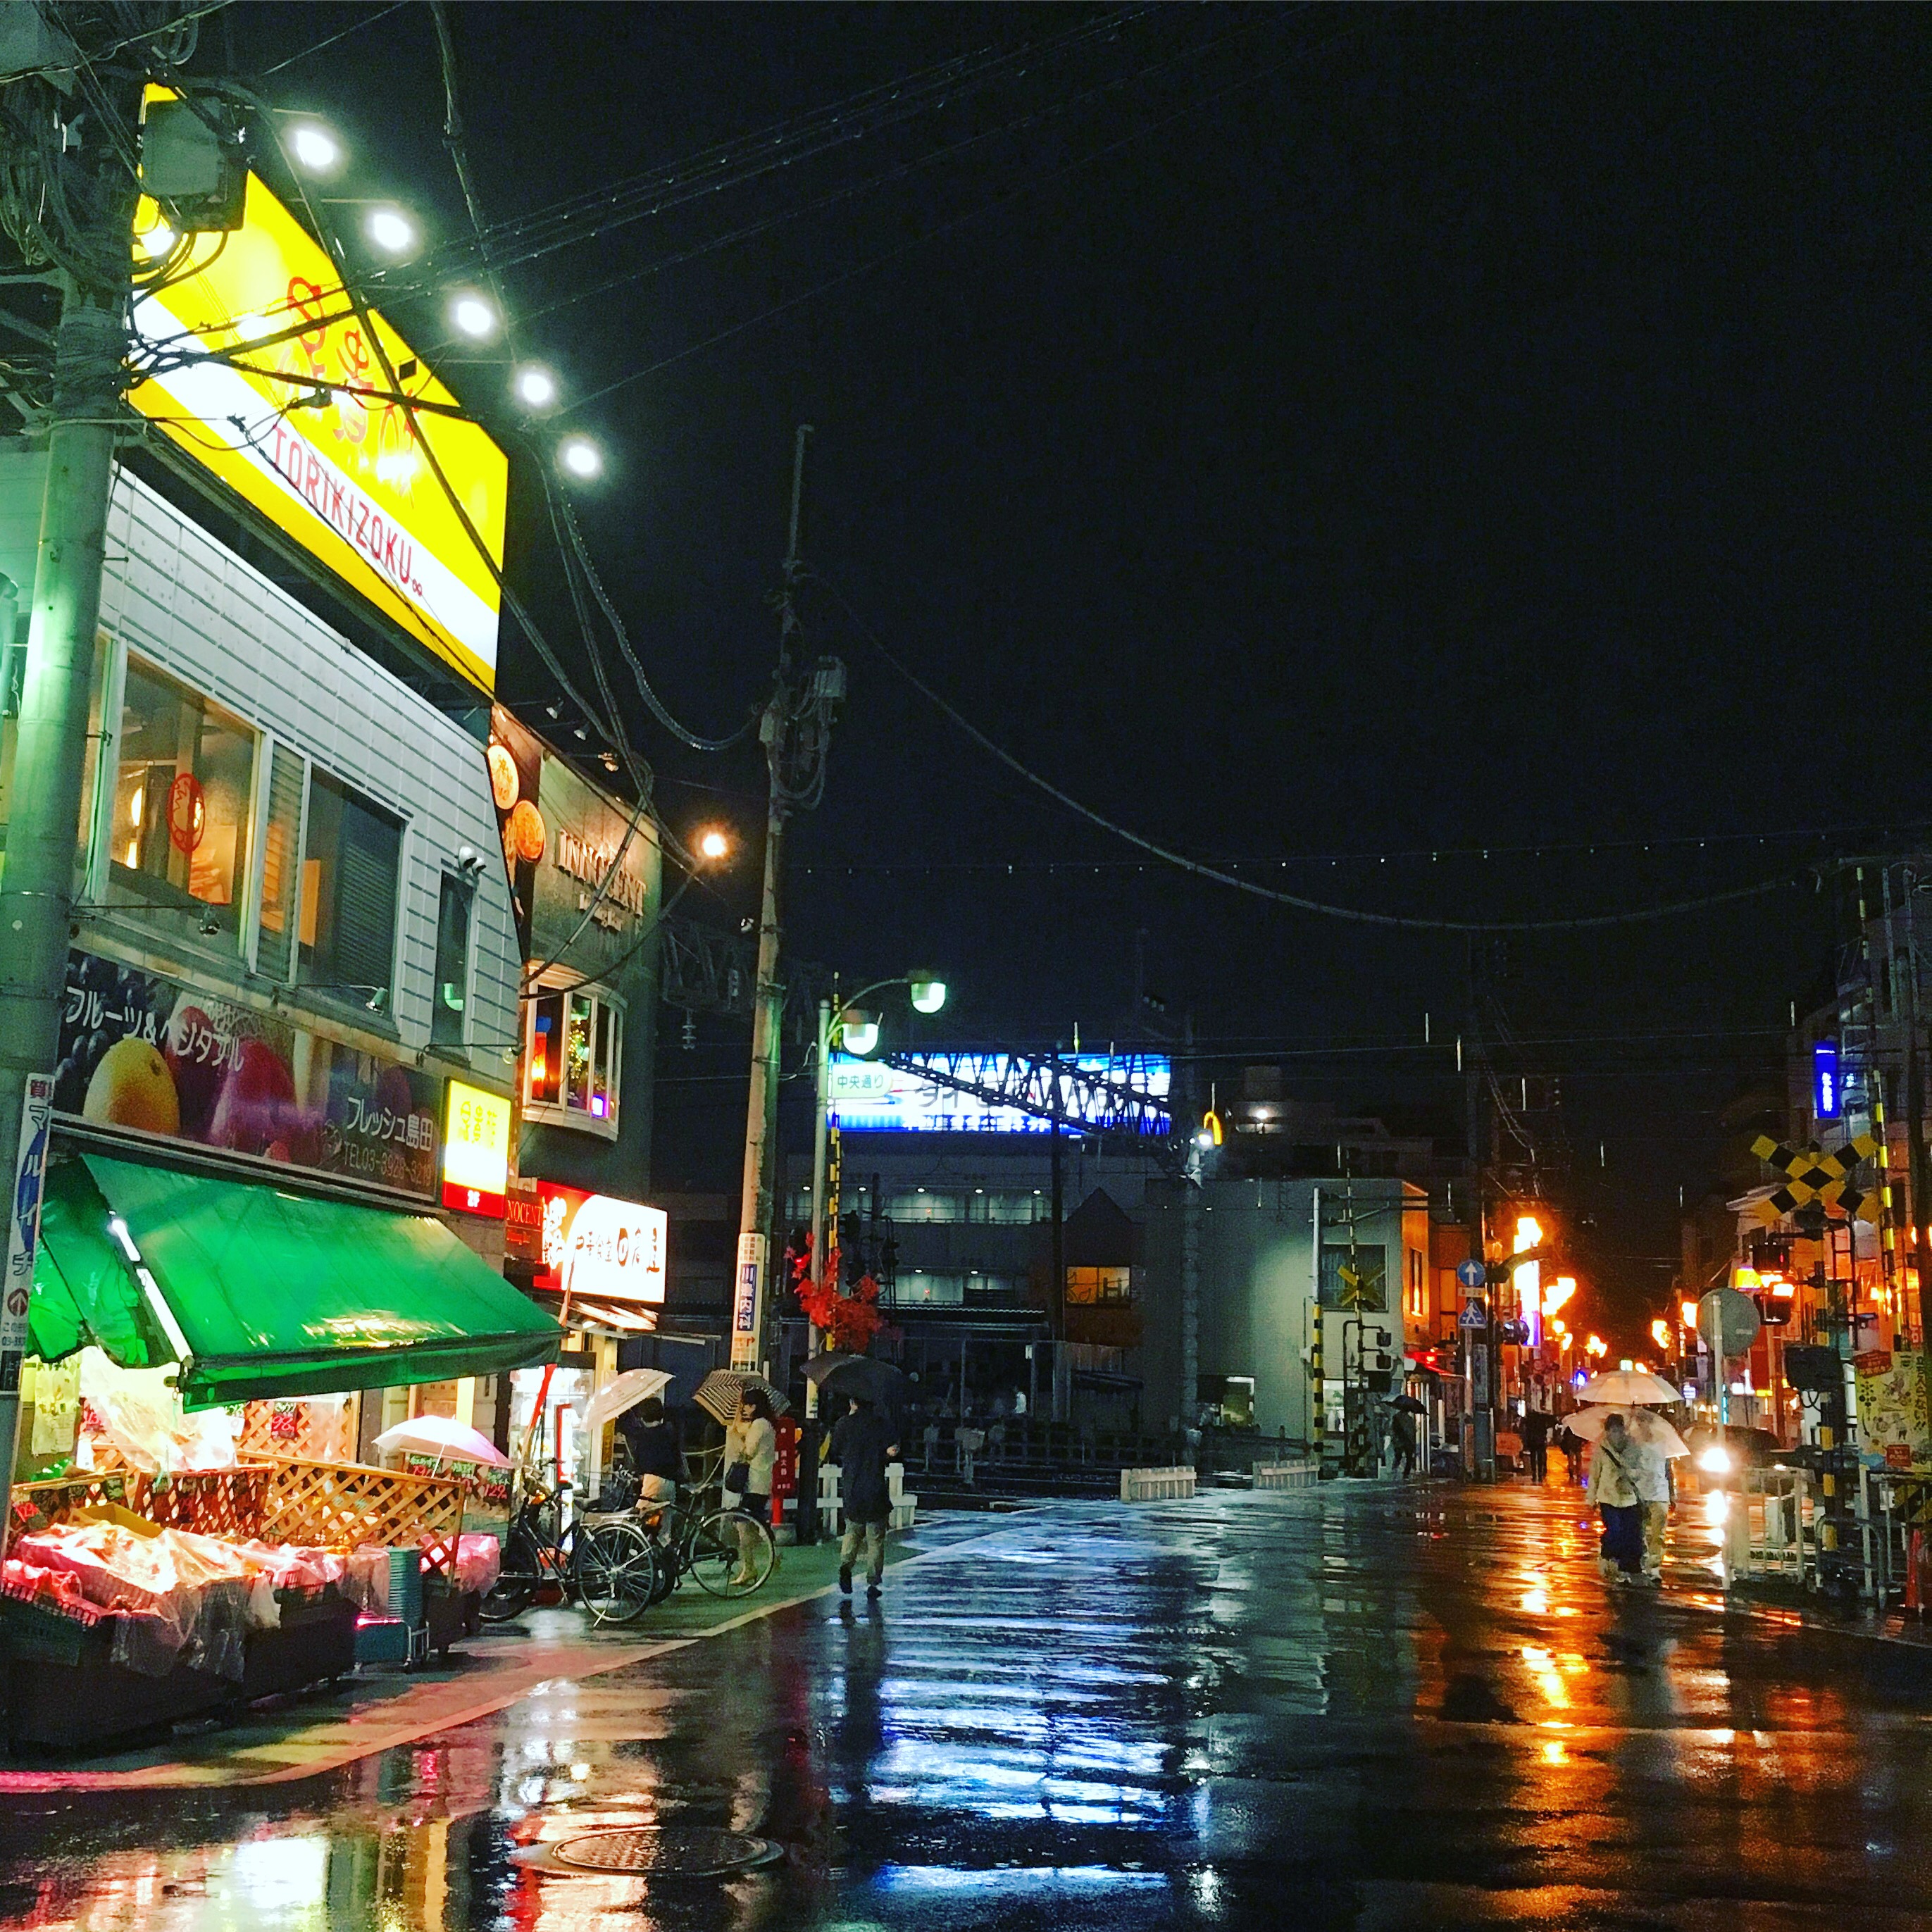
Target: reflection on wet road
[1366,1707]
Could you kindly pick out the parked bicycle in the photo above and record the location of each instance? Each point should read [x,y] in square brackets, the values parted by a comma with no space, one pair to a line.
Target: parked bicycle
[607,1563]
[726,1551]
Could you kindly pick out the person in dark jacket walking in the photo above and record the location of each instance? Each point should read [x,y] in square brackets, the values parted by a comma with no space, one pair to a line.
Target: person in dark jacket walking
[1536,1427]
[655,1451]
[862,1446]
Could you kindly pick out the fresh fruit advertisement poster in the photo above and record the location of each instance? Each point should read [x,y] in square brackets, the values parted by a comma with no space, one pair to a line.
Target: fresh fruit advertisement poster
[137,1050]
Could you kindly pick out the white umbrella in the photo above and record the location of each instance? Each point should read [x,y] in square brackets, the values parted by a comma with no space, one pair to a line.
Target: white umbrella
[1643,1427]
[1618,1387]
[443,1437]
[625,1392]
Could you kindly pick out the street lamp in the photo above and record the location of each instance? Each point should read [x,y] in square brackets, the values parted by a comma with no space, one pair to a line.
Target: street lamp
[859,1031]
[534,386]
[580,457]
[714,843]
[474,315]
[316,152]
[391,229]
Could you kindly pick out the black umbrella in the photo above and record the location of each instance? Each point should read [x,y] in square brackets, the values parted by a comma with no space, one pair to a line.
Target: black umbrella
[1409,1405]
[879,1382]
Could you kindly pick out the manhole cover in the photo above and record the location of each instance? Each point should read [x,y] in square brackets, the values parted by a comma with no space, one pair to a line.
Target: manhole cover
[693,1853]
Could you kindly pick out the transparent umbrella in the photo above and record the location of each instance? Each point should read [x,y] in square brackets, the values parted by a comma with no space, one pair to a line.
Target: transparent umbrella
[1653,1429]
[1619,1387]
[443,1437]
[623,1394]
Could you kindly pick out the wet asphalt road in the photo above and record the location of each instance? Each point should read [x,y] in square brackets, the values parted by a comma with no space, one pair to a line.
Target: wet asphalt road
[1369,1707]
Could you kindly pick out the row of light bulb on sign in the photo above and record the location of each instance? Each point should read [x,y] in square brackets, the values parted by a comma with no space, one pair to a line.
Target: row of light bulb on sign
[471,315]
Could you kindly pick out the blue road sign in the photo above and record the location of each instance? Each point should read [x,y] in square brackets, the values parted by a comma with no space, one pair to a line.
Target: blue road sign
[1474,1315]
[1471,1274]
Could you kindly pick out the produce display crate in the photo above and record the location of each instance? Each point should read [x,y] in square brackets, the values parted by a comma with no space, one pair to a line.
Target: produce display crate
[64,1691]
[317,1642]
[342,1505]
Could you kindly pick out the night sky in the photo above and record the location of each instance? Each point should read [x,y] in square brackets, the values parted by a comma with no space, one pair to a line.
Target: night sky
[1463,462]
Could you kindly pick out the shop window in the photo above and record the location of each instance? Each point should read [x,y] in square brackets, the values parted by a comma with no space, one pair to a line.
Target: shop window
[572,1059]
[450,994]
[184,790]
[1087,1285]
[351,859]
[922,1204]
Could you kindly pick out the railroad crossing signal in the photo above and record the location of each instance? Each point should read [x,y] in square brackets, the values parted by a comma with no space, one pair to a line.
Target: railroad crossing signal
[1355,1288]
[1811,1176]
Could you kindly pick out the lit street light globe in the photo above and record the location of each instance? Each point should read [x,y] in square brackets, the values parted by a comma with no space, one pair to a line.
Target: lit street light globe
[473,316]
[928,992]
[580,457]
[712,844]
[391,229]
[534,386]
[858,1031]
[315,151]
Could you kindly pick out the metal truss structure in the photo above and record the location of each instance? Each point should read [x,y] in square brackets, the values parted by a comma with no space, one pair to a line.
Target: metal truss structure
[1025,1082]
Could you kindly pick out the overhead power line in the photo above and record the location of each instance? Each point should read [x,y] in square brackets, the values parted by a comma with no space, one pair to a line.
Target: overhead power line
[1356,915]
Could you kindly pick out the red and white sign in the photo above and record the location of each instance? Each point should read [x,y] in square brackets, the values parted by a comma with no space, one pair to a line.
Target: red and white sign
[598,1248]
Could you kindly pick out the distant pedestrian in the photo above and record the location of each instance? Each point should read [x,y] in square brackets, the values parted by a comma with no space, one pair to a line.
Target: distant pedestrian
[1402,1435]
[931,1441]
[1614,1464]
[1536,1443]
[862,1446]
[750,1451]
[1568,1447]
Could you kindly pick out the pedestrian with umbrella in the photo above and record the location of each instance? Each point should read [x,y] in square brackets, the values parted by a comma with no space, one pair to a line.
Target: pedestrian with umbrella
[862,1446]
[1658,1445]
[1404,1410]
[1617,1488]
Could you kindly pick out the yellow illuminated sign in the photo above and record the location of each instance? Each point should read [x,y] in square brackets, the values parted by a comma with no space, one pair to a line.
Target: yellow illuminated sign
[344,475]
[475,1150]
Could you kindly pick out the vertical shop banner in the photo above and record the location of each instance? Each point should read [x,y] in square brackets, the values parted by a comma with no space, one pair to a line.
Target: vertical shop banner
[745,1301]
[138,1051]
[23,1225]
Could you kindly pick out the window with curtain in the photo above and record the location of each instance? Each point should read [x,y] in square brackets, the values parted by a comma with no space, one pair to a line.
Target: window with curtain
[184,796]
[352,862]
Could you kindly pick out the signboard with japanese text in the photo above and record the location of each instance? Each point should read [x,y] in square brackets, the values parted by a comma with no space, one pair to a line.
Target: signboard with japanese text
[265,374]
[23,1226]
[596,1246]
[138,1051]
[476,1150]
[745,1300]
[1827,1095]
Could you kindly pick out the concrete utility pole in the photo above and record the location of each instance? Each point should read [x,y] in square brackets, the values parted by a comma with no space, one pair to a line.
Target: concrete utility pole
[43,835]
[1193,1181]
[796,733]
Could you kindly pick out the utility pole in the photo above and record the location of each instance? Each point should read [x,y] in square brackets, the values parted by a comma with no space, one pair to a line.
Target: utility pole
[37,888]
[1193,1181]
[796,732]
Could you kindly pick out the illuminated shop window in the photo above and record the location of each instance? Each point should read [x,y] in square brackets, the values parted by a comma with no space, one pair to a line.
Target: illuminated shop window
[184,790]
[572,1059]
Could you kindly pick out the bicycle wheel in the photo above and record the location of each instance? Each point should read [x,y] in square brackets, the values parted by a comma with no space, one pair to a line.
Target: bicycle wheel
[731,1553]
[616,1571]
[515,1588]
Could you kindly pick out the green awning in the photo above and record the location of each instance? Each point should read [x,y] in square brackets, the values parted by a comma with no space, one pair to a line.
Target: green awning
[278,1294]
[83,1291]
